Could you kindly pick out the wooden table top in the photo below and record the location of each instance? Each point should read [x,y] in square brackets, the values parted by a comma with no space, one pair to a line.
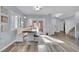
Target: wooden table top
[28,31]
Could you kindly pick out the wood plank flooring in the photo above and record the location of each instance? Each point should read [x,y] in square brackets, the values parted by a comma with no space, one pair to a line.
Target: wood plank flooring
[23,47]
[50,44]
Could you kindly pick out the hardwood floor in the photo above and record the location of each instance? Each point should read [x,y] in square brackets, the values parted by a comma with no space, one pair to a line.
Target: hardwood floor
[50,44]
[23,47]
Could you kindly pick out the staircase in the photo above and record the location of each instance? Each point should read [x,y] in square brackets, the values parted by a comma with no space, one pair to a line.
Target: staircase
[61,33]
[71,33]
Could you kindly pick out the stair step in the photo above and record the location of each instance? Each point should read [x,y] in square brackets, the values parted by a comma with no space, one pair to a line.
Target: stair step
[59,33]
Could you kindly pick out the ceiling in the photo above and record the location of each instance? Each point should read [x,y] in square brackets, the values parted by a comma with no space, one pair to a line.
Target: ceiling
[63,11]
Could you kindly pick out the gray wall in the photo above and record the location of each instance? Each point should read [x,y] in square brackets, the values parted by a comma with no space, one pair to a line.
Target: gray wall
[6,38]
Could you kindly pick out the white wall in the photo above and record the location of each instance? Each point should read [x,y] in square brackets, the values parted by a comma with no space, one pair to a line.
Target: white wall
[59,25]
[0,18]
[47,26]
[77,17]
[52,26]
[56,25]
[77,24]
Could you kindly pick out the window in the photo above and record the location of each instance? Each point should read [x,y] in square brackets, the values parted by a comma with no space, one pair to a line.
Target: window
[16,22]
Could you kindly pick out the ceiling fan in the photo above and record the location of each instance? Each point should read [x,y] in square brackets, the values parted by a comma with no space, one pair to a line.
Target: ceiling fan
[37,8]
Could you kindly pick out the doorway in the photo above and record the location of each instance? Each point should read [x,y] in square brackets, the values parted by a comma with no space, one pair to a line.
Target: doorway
[64,27]
[38,25]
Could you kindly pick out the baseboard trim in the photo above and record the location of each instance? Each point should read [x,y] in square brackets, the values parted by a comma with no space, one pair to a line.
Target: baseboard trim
[7,45]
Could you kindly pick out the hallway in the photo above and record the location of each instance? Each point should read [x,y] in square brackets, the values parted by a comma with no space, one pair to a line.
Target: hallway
[39,29]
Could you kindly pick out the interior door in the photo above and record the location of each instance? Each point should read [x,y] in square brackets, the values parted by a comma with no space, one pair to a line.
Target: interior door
[41,26]
[33,23]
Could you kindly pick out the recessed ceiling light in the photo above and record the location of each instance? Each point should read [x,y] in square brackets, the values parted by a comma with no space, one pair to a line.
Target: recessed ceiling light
[22,22]
[24,17]
[16,16]
[58,15]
